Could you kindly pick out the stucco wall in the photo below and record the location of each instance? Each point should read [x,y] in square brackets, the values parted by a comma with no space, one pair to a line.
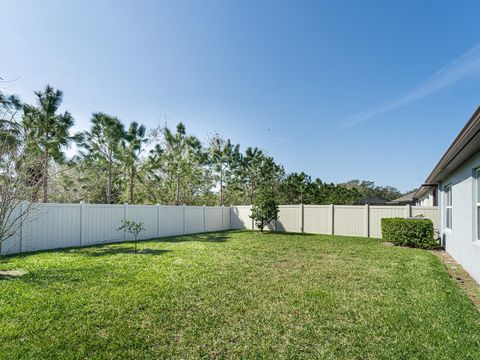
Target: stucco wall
[425,200]
[461,241]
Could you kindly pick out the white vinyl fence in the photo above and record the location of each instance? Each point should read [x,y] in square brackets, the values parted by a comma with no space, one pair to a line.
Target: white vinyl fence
[53,226]
[350,220]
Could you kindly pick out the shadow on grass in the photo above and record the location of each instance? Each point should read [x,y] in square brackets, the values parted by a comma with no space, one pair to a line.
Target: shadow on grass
[217,237]
[87,250]
[105,251]
[279,232]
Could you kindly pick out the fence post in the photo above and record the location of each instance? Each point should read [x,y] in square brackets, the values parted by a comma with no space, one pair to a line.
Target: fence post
[158,220]
[367,220]
[332,219]
[184,220]
[82,210]
[204,218]
[301,219]
[408,208]
[125,205]
[222,219]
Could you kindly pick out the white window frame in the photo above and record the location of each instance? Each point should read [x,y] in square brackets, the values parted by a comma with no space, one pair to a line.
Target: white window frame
[448,206]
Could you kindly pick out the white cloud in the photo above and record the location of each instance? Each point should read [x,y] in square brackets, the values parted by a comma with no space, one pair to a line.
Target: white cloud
[466,64]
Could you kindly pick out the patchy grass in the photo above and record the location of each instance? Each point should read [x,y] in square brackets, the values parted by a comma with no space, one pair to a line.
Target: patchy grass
[236,294]
[464,280]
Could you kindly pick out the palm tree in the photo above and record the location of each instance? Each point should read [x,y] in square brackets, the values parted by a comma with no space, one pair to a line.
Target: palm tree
[47,133]
[132,147]
[102,144]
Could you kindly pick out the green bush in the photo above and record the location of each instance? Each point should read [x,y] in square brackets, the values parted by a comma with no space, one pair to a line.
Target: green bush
[416,233]
[264,209]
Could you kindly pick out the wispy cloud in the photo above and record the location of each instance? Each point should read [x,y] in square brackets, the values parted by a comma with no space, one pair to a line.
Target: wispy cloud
[466,64]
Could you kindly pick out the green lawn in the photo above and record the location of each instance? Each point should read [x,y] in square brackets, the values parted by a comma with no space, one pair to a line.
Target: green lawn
[236,294]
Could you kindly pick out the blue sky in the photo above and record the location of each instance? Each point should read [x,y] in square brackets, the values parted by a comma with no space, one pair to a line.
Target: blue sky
[339,89]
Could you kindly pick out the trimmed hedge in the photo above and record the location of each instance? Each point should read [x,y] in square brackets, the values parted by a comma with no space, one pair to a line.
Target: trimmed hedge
[411,232]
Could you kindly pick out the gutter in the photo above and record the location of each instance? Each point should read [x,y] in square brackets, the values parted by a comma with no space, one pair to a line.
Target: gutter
[463,139]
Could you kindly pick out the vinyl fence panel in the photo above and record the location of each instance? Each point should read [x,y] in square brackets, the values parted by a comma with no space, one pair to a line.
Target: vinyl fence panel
[349,220]
[171,220]
[100,223]
[194,221]
[239,217]
[226,218]
[213,218]
[379,212]
[289,219]
[429,212]
[51,226]
[148,214]
[13,244]
[317,219]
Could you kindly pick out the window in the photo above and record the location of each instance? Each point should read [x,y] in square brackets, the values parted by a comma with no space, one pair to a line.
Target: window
[448,206]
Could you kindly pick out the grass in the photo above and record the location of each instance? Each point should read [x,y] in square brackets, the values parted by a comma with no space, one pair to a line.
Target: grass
[236,294]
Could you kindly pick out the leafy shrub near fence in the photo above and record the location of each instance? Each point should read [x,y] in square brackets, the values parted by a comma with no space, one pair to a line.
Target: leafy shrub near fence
[409,232]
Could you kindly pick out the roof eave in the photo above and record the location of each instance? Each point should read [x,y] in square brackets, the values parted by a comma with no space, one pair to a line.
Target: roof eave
[465,145]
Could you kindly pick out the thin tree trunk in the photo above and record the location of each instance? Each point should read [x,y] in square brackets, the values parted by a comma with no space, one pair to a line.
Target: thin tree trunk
[177,195]
[45,177]
[132,185]
[221,188]
[109,185]
[252,191]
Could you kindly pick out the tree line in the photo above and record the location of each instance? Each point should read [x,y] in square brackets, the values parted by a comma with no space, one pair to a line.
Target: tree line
[115,163]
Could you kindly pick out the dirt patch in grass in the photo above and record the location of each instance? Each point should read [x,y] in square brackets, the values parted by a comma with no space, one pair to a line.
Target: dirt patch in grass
[456,271]
[8,274]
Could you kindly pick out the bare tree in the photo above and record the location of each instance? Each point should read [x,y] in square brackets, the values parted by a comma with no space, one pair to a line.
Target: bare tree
[16,184]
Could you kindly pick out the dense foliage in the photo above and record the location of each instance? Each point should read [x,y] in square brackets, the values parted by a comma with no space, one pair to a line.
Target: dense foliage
[409,232]
[117,163]
[264,209]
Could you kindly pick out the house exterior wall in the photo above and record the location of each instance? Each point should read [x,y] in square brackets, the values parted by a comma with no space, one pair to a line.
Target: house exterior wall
[461,240]
[426,200]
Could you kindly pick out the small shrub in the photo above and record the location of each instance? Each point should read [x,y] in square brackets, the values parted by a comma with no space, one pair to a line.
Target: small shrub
[416,233]
[133,228]
[265,209]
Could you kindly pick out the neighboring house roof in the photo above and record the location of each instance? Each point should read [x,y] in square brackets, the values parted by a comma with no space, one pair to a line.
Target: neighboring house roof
[404,198]
[465,145]
[421,192]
